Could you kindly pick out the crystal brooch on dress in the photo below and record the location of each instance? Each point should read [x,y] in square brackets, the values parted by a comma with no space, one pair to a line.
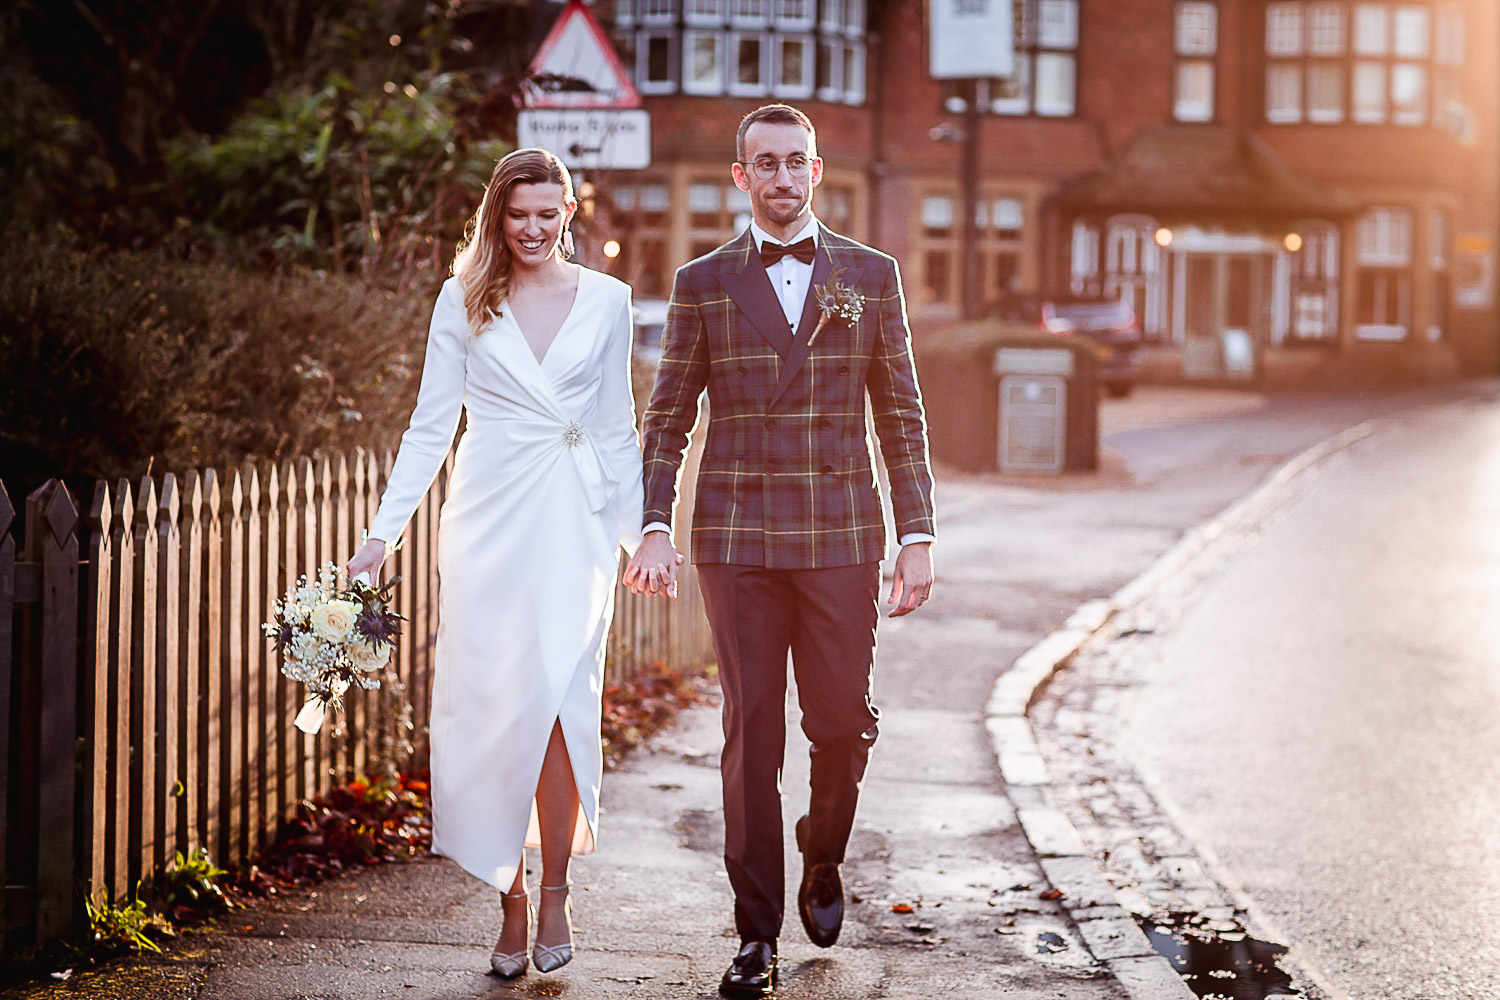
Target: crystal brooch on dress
[573,434]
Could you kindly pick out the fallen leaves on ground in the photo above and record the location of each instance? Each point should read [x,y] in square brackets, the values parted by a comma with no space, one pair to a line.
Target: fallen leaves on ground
[642,705]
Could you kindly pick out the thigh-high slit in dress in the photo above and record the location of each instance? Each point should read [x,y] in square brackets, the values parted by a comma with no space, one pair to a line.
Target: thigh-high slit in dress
[545,489]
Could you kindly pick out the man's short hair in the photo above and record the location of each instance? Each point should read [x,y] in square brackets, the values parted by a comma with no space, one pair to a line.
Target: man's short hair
[775,114]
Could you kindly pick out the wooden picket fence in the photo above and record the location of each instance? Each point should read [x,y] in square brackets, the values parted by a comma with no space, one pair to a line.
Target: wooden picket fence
[144,711]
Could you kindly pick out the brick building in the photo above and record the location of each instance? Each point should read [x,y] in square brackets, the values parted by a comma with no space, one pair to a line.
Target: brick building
[1306,172]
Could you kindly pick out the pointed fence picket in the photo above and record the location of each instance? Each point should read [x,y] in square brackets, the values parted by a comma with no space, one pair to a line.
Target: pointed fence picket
[143,712]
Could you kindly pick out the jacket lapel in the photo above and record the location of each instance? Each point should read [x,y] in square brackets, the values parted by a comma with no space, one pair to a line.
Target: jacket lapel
[823,265]
[748,285]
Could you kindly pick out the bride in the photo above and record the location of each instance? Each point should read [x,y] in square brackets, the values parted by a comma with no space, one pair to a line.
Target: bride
[545,489]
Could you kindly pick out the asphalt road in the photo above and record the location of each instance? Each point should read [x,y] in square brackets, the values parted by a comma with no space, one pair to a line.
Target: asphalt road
[1326,718]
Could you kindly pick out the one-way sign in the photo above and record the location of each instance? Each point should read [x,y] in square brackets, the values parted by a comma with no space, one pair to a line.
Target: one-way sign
[589,139]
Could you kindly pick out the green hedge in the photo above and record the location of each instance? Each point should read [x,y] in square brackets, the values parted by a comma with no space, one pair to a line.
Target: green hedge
[114,362]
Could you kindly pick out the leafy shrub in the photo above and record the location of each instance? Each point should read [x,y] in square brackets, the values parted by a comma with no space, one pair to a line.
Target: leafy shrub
[117,360]
[127,927]
[194,885]
[343,177]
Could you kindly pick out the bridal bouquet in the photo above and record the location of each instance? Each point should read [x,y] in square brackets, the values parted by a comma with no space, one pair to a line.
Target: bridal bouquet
[332,639]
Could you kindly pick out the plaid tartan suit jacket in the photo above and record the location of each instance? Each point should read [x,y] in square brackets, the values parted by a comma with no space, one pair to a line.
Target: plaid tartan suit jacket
[786,480]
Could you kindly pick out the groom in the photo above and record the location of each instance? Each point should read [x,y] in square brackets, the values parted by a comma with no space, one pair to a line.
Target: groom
[788,531]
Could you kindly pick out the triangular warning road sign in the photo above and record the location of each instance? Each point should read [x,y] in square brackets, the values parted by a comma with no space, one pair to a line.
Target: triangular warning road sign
[577,67]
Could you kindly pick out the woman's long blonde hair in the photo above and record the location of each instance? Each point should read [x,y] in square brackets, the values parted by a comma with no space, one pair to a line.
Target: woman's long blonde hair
[482,263]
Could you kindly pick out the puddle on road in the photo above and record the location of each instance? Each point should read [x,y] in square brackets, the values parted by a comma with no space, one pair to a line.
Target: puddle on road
[1215,965]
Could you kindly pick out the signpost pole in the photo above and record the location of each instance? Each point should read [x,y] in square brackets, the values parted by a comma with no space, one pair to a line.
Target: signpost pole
[973,292]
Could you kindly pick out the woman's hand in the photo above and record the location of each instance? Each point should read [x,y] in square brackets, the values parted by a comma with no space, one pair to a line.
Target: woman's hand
[367,559]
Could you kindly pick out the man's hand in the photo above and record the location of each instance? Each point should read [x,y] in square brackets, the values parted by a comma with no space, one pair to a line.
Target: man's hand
[912,583]
[653,568]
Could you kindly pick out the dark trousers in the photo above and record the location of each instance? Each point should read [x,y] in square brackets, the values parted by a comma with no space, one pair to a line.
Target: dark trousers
[826,618]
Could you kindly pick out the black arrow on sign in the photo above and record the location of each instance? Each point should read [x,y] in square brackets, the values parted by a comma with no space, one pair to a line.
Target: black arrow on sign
[578,149]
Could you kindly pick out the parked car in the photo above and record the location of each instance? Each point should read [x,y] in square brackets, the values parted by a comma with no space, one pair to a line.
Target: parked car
[650,319]
[1110,323]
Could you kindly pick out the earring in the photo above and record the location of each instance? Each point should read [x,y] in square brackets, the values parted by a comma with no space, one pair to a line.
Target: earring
[567,243]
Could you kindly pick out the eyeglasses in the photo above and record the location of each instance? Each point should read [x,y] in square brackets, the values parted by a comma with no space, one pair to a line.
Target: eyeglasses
[767,167]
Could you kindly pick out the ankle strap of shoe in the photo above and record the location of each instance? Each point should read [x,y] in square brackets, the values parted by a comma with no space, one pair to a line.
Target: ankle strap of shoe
[557,888]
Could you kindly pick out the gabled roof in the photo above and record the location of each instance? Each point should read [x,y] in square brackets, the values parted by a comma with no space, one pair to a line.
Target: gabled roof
[1202,170]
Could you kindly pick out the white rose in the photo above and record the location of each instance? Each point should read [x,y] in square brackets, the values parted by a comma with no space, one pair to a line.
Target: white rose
[332,620]
[364,656]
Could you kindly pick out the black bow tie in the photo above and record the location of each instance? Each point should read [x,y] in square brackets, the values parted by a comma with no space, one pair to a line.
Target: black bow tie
[803,250]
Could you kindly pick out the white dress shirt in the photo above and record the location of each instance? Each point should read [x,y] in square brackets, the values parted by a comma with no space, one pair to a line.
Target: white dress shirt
[791,280]
[789,276]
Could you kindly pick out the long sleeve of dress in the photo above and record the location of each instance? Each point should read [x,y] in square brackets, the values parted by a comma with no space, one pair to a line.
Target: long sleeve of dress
[434,421]
[616,429]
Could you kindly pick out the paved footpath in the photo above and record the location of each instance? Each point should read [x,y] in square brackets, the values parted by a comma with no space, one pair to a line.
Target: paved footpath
[935,832]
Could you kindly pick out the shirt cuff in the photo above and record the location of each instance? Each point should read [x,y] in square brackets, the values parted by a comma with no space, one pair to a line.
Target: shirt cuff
[657,526]
[910,538]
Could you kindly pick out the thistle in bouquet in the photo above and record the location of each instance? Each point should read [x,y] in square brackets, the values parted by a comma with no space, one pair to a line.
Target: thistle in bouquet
[333,636]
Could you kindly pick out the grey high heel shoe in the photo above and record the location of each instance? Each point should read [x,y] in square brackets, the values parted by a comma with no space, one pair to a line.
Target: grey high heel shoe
[550,958]
[509,965]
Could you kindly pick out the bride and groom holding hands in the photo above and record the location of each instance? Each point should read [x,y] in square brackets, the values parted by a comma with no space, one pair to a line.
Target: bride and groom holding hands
[790,328]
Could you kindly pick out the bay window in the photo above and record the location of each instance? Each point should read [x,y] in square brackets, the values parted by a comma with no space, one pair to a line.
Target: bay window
[750,48]
[1376,63]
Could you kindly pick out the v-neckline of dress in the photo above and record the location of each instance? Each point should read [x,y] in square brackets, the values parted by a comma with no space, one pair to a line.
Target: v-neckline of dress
[567,318]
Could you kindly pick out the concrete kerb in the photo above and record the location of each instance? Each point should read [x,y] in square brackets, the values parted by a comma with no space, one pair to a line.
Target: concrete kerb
[1107,929]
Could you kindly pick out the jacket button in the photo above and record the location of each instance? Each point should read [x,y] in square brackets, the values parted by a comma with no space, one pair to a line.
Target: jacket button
[742,371]
[827,468]
[825,423]
[770,423]
[770,468]
[843,369]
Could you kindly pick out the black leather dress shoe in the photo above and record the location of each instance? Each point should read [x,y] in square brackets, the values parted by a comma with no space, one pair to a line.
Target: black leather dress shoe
[753,971]
[820,899]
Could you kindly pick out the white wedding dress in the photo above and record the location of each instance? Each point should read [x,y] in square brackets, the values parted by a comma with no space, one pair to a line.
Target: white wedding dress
[546,487]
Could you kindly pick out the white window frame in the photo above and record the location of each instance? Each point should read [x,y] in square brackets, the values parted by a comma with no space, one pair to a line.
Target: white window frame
[854,73]
[1385,237]
[1063,17]
[1366,114]
[1062,43]
[643,58]
[1326,29]
[855,15]
[1416,41]
[1286,30]
[1193,107]
[1014,205]
[716,85]
[1284,92]
[831,19]
[624,13]
[938,212]
[809,65]
[1320,113]
[788,23]
[1057,109]
[1370,30]
[762,87]
[1083,261]
[834,91]
[1195,29]
[705,13]
[653,12]
[1315,265]
[1416,113]
[739,18]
